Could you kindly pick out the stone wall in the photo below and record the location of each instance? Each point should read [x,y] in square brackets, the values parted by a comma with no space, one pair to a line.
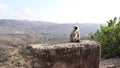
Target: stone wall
[67,55]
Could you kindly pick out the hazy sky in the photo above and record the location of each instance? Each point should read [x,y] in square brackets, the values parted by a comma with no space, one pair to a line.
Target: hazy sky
[61,11]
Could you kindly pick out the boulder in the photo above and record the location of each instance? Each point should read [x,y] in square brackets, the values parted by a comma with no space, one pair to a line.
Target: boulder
[85,54]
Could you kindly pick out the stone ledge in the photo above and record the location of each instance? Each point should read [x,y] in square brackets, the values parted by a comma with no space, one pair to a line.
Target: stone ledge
[67,55]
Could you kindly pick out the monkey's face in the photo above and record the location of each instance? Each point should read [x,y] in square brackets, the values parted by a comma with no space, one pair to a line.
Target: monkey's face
[75,28]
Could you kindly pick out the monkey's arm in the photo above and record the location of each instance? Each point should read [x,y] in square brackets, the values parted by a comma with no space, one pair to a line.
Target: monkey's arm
[78,34]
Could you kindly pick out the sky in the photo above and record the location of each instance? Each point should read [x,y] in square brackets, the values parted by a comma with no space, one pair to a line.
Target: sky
[61,11]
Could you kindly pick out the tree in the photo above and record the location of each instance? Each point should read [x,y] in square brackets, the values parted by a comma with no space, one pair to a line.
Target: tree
[109,38]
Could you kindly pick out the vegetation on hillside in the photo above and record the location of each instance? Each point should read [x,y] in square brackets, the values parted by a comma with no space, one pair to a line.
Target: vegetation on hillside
[109,38]
[16,40]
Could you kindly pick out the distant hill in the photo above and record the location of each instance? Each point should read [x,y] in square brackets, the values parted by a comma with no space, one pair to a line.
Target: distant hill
[41,28]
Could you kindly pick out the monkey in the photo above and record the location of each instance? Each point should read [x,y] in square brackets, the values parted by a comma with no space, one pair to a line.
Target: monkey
[75,35]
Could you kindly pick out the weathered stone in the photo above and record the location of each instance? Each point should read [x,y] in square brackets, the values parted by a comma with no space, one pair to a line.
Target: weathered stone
[3,58]
[67,55]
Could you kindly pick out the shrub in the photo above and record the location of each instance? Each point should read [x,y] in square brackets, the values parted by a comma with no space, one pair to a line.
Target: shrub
[109,38]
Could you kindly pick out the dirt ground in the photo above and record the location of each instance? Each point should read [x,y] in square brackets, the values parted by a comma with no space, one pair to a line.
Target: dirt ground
[110,63]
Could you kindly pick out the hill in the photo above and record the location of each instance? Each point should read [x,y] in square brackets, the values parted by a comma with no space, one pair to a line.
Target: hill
[42,28]
[46,31]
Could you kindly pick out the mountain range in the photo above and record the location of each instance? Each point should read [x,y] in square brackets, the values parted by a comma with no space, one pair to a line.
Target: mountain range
[42,28]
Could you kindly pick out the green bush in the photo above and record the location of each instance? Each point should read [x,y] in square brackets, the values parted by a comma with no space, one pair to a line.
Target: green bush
[109,38]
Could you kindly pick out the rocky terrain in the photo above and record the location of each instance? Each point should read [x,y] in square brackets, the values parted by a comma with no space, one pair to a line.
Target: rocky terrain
[110,63]
[11,57]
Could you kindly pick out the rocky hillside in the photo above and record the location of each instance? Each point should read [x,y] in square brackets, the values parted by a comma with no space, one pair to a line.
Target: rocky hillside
[22,57]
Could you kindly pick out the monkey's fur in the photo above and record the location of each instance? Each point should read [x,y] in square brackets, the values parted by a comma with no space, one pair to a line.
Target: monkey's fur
[75,35]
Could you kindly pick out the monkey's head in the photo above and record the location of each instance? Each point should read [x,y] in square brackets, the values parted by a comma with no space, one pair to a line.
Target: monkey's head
[76,27]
